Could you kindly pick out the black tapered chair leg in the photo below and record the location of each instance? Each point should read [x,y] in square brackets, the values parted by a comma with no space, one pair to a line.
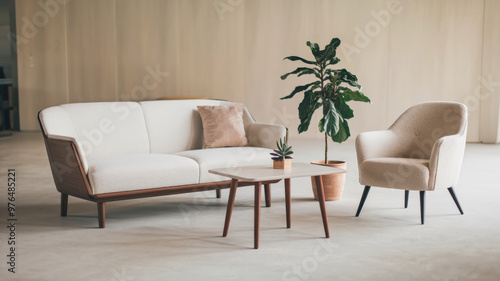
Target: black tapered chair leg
[452,193]
[217,193]
[363,198]
[422,206]
[407,194]
[64,204]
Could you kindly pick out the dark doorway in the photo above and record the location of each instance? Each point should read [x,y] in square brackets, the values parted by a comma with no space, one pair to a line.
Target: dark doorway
[9,99]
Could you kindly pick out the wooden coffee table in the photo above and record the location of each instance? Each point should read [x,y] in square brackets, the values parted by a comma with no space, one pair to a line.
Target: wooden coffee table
[265,174]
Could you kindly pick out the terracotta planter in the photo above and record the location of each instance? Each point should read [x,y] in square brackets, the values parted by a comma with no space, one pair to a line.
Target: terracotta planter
[282,164]
[333,185]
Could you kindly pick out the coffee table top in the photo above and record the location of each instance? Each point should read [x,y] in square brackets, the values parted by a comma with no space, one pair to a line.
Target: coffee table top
[266,172]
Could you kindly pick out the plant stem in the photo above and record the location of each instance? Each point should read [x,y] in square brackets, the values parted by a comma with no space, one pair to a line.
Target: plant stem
[321,79]
[323,97]
[326,148]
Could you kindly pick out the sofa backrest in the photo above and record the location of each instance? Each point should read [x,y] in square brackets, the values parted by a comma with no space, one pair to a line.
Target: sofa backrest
[113,128]
[104,128]
[175,125]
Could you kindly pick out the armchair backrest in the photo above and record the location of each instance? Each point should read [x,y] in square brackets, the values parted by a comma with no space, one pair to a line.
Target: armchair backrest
[421,125]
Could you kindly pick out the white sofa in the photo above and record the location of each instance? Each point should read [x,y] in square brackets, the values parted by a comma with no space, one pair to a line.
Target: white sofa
[112,151]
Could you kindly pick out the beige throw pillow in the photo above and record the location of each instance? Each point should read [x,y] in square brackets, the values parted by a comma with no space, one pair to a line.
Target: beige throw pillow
[223,126]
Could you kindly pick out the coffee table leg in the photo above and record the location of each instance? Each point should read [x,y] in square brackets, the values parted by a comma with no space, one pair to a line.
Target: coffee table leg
[288,203]
[230,205]
[267,190]
[321,197]
[256,215]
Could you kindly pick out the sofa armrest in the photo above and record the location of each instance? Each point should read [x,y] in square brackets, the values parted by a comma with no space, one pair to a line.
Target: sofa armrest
[58,137]
[67,167]
[265,135]
[79,150]
[446,161]
[377,144]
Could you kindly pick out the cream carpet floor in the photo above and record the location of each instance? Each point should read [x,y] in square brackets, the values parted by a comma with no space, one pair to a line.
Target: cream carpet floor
[180,237]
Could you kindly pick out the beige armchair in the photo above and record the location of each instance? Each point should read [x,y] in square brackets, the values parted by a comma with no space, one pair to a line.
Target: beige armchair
[422,150]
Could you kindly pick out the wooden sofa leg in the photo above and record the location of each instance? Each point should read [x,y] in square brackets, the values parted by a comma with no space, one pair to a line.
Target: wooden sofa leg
[101,210]
[217,193]
[64,204]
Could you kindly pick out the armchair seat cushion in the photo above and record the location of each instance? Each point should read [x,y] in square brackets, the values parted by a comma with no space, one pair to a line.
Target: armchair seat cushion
[224,157]
[128,172]
[394,172]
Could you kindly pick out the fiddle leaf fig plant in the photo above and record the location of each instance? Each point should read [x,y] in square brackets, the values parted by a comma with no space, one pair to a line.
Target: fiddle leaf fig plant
[331,89]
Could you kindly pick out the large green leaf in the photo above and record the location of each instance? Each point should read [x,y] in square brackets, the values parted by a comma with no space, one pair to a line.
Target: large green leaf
[344,109]
[301,71]
[299,89]
[343,133]
[330,50]
[333,61]
[346,76]
[295,58]
[331,119]
[306,109]
[350,95]
[335,42]
[314,49]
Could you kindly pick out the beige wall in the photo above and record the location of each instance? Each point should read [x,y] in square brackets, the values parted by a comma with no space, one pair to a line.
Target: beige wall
[42,65]
[402,52]
[489,94]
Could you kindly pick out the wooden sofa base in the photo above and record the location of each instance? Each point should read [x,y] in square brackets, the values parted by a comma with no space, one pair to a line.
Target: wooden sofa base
[101,199]
[71,179]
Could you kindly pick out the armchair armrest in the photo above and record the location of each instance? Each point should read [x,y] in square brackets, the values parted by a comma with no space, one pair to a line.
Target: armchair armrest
[265,135]
[446,161]
[378,144]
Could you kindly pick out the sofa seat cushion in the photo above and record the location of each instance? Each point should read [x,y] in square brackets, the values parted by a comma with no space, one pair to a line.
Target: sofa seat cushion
[140,171]
[394,172]
[225,157]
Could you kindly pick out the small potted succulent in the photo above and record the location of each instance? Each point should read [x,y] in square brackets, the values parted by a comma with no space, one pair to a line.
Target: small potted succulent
[282,158]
